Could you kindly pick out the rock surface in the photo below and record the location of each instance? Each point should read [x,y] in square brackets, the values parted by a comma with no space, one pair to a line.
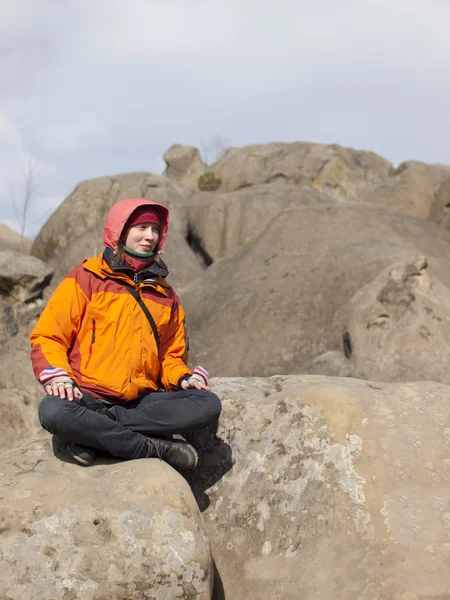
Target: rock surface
[399,325]
[440,209]
[11,240]
[224,222]
[184,163]
[22,278]
[339,171]
[277,303]
[411,189]
[18,406]
[118,531]
[340,489]
[20,393]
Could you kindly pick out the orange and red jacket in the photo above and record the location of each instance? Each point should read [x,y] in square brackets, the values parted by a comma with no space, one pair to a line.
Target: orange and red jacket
[94,329]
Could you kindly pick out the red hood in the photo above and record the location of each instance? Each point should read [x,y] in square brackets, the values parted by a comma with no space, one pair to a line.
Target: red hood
[119,214]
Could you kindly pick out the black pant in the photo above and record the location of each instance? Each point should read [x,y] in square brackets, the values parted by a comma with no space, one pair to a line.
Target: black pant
[120,429]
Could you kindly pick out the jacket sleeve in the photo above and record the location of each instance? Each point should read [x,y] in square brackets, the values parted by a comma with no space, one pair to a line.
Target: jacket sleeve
[174,349]
[56,329]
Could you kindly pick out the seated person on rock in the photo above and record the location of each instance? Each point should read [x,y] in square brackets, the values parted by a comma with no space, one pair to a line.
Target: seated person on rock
[110,350]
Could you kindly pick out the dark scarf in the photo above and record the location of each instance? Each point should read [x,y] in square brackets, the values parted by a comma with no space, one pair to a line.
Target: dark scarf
[150,271]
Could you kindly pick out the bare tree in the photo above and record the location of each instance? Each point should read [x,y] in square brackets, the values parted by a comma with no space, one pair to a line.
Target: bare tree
[22,207]
[214,148]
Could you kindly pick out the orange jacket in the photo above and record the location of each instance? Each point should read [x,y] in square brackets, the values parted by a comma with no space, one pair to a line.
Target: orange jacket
[94,329]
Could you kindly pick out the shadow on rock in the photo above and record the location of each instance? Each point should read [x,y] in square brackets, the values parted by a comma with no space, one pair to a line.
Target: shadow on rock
[218,590]
[215,459]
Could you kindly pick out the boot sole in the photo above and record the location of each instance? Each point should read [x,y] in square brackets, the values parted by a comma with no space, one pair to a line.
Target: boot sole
[79,459]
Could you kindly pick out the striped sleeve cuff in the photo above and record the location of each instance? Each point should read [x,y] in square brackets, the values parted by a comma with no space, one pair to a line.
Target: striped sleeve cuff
[50,373]
[201,372]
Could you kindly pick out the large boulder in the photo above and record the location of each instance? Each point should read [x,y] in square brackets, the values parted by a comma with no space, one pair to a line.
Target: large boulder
[22,278]
[411,189]
[440,209]
[398,325]
[75,230]
[184,163]
[276,303]
[222,222]
[340,489]
[336,171]
[11,240]
[341,172]
[122,531]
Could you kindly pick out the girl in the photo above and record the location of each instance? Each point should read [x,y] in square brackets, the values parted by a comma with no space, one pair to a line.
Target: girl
[110,350]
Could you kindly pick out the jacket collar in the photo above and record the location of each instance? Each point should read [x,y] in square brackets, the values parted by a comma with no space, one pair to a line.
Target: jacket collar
[106,265]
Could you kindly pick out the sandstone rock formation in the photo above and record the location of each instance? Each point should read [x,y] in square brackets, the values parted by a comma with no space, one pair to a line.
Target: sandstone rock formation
[339,171]
[22,277]
[342,172]
[184,164]
[399,325]
[224,222]
[440,208]
[11,240]
[22,282]
[339,489]
[278,302]
[411,188]
[127,530]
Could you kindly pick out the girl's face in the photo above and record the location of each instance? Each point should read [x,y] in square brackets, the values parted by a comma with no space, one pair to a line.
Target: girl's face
[143,237]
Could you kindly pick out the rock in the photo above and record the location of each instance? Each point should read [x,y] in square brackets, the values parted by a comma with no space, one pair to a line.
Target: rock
[279,302]
[225,221]
[410,189]
[333,363]
[340,489]
[341,172]
[19,413]
[440,209]
[11,240]
[19,391]
[399,325]
[184,163]
[22,278]
[75,229]
[122,531]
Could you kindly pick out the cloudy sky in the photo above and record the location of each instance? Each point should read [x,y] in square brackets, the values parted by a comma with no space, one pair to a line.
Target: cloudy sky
[99,87]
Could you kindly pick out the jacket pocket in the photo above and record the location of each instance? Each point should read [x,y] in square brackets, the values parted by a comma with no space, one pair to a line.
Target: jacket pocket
[91,344]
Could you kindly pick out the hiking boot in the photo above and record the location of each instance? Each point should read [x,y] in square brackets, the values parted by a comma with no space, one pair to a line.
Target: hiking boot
[82,454]
[179,455]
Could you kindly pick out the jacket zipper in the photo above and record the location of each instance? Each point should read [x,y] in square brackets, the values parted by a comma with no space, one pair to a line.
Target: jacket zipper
[91,344]
[131,358]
